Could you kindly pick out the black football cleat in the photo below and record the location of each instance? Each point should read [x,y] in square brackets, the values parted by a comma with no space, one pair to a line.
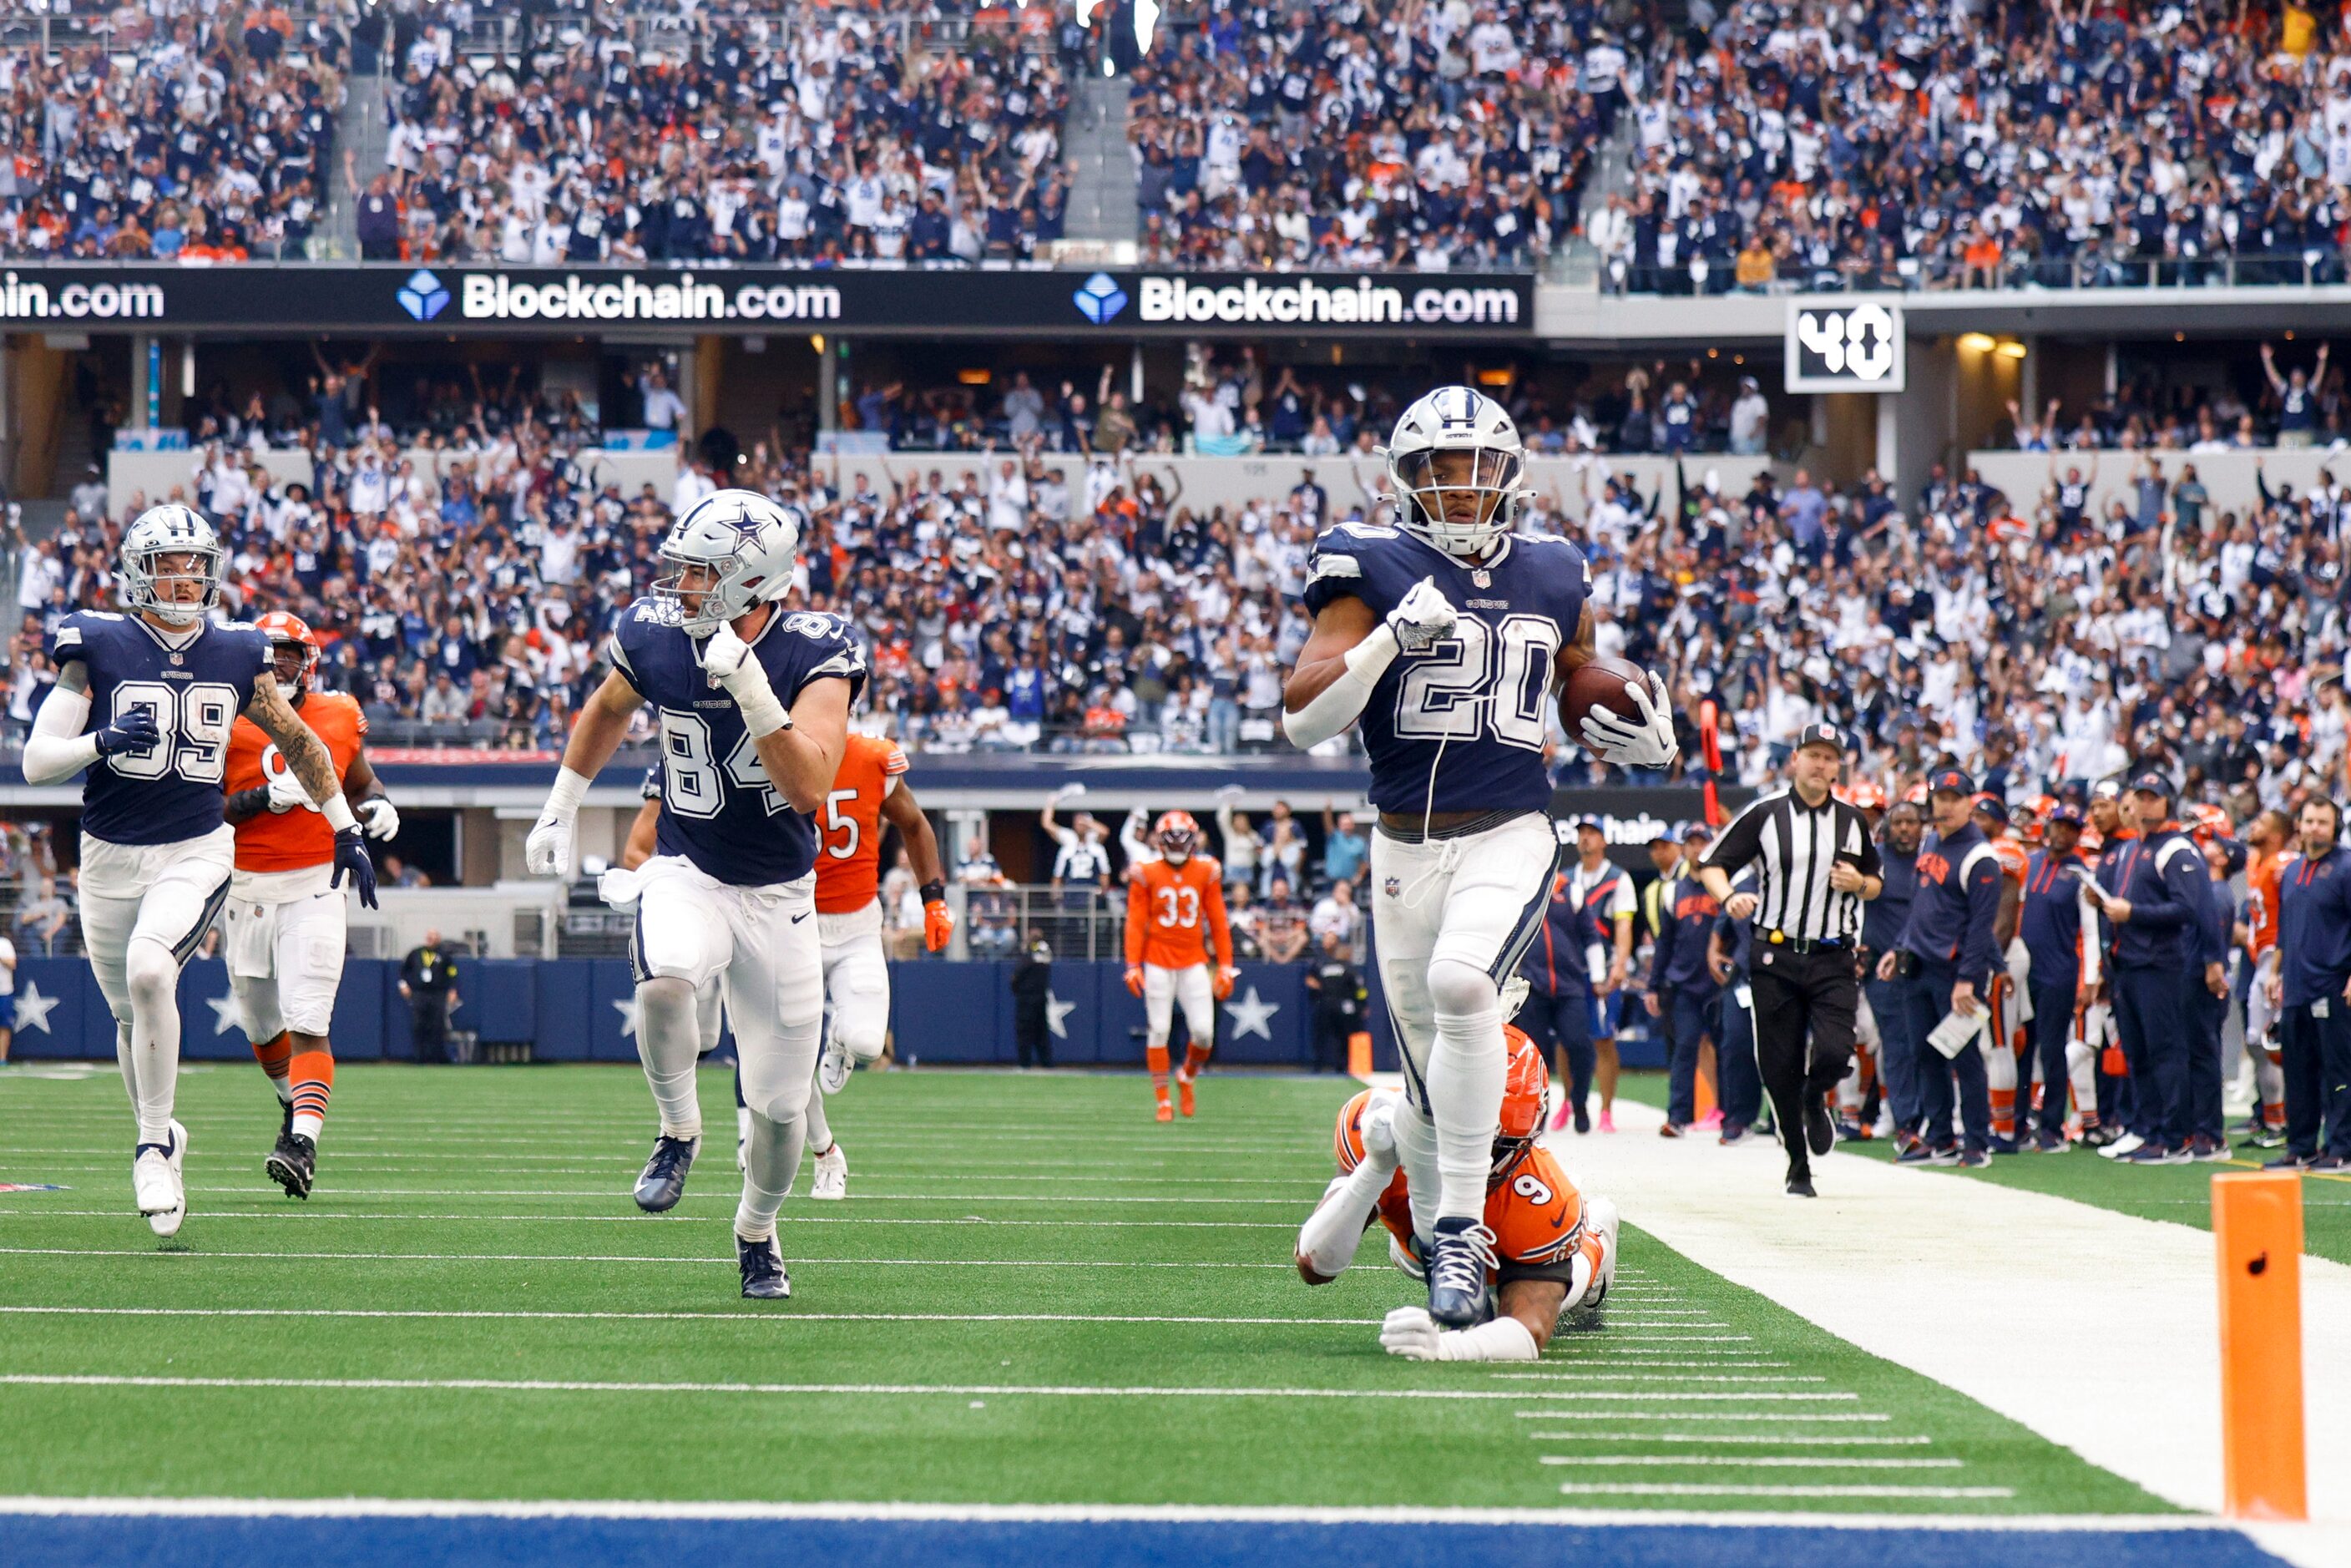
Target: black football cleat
[663,1181]
[1458,1262]
[293,1163]
[764,1279]
[1819,1127]
[1800,1186]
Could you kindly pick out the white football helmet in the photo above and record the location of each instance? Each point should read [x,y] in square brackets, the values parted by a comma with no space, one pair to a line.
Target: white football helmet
[161,532]
[1460,508]
[738,547]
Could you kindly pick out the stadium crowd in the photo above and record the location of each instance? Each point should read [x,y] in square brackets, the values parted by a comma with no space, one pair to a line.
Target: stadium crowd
[203,134]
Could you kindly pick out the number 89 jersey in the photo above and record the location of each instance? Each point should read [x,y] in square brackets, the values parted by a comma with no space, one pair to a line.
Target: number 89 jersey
[1481,693]
[718,808]
[171,791]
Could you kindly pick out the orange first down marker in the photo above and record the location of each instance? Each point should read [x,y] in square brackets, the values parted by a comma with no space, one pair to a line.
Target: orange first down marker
[2257,1237]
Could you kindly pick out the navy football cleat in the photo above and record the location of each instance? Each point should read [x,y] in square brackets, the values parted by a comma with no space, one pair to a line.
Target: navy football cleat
[764,1279]
[664,1180]
[293,1163]
[1458,1260]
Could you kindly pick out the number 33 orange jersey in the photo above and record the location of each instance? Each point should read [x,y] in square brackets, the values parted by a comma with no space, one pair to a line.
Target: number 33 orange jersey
[1166,903]
[291,838]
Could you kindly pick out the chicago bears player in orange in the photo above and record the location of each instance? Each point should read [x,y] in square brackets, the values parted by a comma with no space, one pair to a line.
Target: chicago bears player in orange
[284,930]
[1553,1251]
[2007,1046]
[1179,950]
[869,789]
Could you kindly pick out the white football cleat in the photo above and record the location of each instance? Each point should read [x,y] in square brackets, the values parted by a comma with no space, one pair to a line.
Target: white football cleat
[157,1181]
[831,1173]
[1601,1216]
[832,1068]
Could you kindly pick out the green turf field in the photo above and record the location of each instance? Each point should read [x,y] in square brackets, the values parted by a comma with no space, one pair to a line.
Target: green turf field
[2179,1193]
[1033,1294]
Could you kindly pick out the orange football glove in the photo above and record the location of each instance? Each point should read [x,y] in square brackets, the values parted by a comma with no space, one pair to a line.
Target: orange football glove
[938,925]
[1134,979]
[1225,976]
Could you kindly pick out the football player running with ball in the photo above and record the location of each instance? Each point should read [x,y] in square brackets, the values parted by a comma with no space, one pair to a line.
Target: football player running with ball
[1555,1250]
[1174,900]
[163,687]
[284,934]
[1445,636]
[754,713]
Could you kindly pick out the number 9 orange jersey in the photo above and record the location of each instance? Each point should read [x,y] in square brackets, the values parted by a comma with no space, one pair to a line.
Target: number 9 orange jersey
[291,840]
[1170,909]
[848,825]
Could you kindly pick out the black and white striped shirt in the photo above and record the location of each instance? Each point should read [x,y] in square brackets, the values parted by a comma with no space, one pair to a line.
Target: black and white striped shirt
[1791,846]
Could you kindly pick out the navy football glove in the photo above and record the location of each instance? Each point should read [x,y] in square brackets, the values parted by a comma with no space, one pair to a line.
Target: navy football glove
[133,731]
[351,859]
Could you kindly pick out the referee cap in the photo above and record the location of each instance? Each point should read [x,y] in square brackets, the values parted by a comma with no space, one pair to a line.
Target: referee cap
[1821,735]
[1949,781]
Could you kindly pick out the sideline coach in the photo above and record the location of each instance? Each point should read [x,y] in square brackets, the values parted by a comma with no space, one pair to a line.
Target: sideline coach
[1815,863]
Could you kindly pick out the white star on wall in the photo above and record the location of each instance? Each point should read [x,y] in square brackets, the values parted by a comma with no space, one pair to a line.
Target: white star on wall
[33,1008]
[224,1013]
[1251,1015]
[1057,1015]
[627,1008]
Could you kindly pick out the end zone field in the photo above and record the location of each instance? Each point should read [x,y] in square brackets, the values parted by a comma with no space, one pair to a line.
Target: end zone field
[1042,1325]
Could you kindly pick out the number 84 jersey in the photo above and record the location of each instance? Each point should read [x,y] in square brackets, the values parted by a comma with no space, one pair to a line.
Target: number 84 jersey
[196,684]
[1482,694]
[718,808]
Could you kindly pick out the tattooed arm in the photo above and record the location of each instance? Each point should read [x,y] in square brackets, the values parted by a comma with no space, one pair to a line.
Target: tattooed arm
[306,756]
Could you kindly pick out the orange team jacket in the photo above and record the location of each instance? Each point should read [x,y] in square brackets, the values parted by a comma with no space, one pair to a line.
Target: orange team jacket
[848,825]
[1534,1211]
[2262,880]
[1163,906]
[284,839]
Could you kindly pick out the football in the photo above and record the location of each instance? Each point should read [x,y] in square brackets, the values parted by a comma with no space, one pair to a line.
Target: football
[1604,683]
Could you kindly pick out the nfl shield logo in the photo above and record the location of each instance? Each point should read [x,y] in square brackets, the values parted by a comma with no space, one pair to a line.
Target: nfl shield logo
[1482,578]
[1393,886]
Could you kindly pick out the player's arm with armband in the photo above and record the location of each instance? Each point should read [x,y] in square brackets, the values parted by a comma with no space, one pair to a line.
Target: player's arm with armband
[1350,647]
[900,808]
[312,765]
[800,747]
[1527,1312]
[56,749]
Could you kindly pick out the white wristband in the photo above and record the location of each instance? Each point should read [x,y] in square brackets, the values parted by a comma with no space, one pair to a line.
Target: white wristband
[339,813]
[570,788]
[1503,1338]
[1342,702]
[763,710]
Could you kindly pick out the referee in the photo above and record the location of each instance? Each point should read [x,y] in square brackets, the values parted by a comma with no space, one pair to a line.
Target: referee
[1815,863]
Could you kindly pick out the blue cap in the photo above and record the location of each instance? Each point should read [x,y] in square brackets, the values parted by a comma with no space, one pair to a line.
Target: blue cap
[2063,812]
[1951,781]
[1990,806]
[2151,782]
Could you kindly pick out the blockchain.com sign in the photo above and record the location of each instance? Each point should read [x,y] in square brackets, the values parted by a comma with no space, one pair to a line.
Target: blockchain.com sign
[441,299]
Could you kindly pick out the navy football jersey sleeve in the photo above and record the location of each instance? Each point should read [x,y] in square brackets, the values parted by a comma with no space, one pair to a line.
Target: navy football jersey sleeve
[1460,727]
[718,808]
[195,689]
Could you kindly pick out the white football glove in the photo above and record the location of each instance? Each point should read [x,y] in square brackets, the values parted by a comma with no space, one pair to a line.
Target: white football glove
[1411,1333]
[1645,742]
[1379,1132]
[619,887]
[286,794]
[548,850]
[378,819]
[724,657]
[1422,616]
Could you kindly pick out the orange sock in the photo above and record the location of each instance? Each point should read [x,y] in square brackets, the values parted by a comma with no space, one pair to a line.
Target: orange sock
[273,1054]
[1156,1056]
[1195,1056]
[313,1075]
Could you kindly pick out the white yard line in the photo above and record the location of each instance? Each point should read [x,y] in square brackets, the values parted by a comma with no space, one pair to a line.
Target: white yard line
[1714,1439]
[759,1319]
[1697,1415]
[1753,1462]
[1676,1489]
[1894,1262]
[192,1255]
[303,1211]
[621,1188]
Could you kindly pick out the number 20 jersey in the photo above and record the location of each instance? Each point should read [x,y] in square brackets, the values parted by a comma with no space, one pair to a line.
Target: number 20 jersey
[171,791]
[718,810]
[1482,692]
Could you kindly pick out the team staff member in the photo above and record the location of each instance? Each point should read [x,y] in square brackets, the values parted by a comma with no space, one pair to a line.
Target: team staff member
[1731,960]
[1335,993]
[428,980]
[1607,894]
[2051,926]
[2215,937]
[1947,947]
[2313,994]
[1882,920]
[1680,987]
[2117,1110]
[1557,1013]
[1815,866]
[2155,893]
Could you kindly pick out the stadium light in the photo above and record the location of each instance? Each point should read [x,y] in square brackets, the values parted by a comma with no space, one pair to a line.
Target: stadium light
[2010,349]
[1976,342]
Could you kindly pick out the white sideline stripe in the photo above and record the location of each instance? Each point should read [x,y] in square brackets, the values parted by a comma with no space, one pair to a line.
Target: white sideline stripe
[1676,1489]
[1695,1378]
[1759,1461]
[1006,1390]
[1694,1416]
[1681,1338]
[620,1167]
[1793,1439]
[761,1319]
[1591,1365]
[624,1258]
[308,1213]
[1082,1513]
[620,1189]
[1882,1240]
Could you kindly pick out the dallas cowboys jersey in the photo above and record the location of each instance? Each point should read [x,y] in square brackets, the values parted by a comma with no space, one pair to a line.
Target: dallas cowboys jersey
[718,810]
[171,791]
[1482,692]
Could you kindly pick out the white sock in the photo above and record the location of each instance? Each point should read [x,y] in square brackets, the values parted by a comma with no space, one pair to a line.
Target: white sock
[128,1059]
[669,1042]
[1331,1233]
[1466,1070]
[154,1074]
[307,1125]
[1415,1142]
[820,1130]
[768,1167]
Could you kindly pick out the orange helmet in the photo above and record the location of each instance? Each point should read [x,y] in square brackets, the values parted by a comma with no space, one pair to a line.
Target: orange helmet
[1177,834]
[1525,1083]
[2032,814]
[2209,821]
[1347,1143]
[281,627]
[1916,793]
[1867,796]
